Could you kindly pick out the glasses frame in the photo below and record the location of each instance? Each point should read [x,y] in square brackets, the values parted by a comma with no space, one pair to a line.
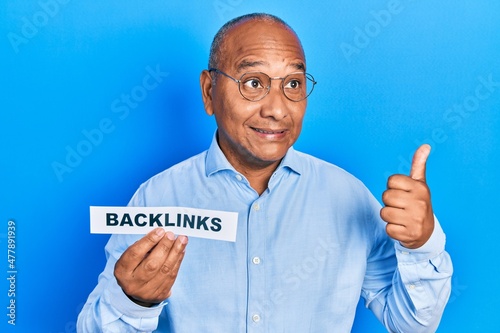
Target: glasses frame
[307,75]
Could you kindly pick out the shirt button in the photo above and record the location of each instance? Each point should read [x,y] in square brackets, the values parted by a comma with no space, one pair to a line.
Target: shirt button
[256,318]
[256,207]
[239,177]
[411,286]
[256,260]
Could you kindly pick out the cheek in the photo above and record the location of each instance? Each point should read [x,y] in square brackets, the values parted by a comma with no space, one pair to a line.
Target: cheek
[233,115]
[238,111]
[298,118]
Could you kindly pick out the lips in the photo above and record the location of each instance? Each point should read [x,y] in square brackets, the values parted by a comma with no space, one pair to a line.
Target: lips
[268,131]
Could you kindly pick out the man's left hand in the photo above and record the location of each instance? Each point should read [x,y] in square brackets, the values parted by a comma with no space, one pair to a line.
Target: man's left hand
[408,210]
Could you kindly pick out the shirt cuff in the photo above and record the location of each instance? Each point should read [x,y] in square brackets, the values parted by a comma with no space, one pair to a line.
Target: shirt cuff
[431,249]
[118,300]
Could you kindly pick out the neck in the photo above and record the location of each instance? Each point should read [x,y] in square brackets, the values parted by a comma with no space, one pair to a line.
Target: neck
[258,172]
[257,176]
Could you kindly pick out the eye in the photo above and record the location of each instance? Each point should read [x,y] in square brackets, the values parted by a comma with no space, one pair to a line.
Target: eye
[293,84]
[253,83]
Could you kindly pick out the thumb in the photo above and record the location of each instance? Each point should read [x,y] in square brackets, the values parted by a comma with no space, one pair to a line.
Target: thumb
[417,171]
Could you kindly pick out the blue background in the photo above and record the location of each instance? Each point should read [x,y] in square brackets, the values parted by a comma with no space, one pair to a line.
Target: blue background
[65,66]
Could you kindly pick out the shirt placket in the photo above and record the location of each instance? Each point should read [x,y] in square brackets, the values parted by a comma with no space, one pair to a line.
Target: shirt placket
[256,262]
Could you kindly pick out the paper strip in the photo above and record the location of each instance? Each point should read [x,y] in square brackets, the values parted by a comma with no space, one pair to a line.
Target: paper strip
[211,224]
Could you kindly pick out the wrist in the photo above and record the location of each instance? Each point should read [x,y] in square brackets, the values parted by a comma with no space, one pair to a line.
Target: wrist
[141,303]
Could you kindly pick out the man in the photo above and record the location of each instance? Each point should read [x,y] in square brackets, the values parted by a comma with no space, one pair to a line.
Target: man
[310,238]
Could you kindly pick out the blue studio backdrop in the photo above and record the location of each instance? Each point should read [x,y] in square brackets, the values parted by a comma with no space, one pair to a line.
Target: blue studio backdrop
[98,96]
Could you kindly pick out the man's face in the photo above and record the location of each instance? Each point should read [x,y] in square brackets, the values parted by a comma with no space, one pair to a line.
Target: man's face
[257,134]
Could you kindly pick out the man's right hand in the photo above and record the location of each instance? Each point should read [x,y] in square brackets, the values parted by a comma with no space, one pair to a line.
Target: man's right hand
[147,270]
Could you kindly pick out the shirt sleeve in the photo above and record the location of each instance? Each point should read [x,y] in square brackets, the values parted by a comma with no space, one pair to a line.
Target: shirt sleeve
[108,309]
[407,289]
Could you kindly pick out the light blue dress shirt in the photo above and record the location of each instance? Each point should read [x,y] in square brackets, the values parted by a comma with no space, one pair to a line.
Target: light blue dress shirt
[306,250]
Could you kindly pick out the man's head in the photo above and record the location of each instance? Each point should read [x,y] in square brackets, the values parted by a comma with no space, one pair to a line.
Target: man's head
[254,134]
[217,50]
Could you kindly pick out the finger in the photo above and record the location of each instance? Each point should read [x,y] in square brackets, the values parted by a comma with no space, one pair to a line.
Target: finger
[168,272]
[160,286]
[400,182]
[174,258]
[393,215]
[417,171]
[136,253]
[397,232]
[396,198]
[152,264]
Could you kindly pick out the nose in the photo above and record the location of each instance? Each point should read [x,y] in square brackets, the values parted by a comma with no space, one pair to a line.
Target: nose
[275,104]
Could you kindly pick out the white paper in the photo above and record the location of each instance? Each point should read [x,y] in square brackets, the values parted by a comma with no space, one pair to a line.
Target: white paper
[211,224]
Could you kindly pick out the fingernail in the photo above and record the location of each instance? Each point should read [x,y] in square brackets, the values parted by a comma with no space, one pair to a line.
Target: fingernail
[170,235]
[183,240]
[160,232]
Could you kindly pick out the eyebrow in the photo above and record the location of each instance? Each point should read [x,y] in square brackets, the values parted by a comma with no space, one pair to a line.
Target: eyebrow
[299,66]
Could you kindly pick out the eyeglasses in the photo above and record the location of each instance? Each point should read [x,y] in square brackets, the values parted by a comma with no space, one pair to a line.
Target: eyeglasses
[254,86]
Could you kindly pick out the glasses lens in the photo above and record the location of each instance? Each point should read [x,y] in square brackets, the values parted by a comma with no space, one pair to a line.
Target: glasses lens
[254,85]
[297,86]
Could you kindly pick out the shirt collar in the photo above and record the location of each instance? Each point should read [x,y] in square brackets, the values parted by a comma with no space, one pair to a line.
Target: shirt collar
[292,161]
[216,160]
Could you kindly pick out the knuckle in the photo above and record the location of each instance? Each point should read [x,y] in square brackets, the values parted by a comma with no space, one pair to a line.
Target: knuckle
[166,269]
[383,213]
[387,213]
[129,285]
[119,274]
[173,274]
[392,231]
[151,266]
[394,179]
[391,180]
[119,267]
[169,271]
[134,253]
[120,270]
[127,289]
[164,247]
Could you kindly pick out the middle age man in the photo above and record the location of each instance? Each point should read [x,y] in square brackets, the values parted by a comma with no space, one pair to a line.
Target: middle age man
[310,238]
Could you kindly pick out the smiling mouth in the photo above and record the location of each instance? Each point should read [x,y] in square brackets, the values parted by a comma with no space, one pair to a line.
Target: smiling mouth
[268,131]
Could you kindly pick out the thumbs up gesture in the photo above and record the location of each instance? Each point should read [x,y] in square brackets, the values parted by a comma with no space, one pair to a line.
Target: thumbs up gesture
[408,210]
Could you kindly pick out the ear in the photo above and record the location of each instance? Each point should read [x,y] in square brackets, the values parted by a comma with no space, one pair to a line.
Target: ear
[206,91]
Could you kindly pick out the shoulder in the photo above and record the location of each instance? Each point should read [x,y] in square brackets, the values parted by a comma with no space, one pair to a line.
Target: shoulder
[316,168]
[182,169]
[333,182]
[169,181]
[342,193]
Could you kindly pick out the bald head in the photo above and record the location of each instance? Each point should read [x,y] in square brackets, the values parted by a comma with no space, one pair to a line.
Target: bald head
[217,47]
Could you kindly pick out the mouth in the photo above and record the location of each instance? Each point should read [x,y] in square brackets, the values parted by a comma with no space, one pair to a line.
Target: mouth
[269,134]
[268,131]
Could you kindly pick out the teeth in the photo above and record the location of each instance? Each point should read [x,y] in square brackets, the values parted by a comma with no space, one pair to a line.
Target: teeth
[267,132]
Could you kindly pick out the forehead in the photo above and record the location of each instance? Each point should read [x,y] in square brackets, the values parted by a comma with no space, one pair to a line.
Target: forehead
[259,44]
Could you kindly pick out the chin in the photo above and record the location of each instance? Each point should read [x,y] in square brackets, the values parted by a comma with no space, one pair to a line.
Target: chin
[270,158]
